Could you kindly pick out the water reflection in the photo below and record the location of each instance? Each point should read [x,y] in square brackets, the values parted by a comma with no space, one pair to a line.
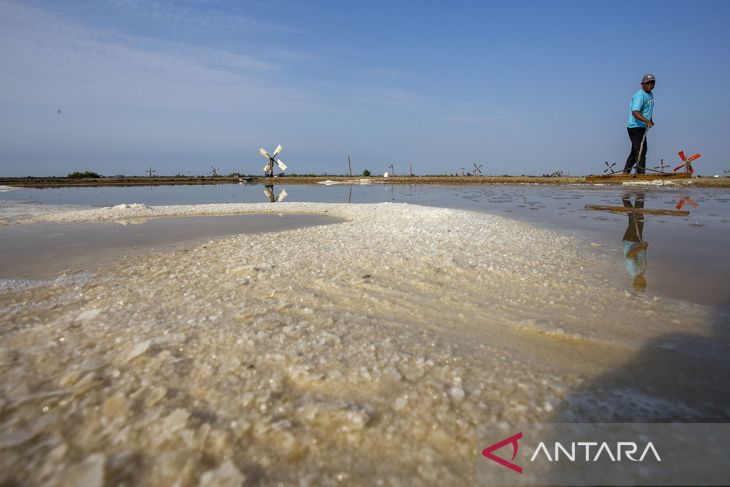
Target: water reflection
[272,197]
[634,244]
[686,200]
[557,208]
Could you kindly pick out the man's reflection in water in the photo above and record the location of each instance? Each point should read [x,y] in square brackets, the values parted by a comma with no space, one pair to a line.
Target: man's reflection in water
[634,244]
[269,192]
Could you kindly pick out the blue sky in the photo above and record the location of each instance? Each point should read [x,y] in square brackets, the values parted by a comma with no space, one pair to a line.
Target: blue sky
[521,87]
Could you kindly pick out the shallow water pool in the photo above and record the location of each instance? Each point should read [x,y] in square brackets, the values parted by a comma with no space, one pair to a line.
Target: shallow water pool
[685,259]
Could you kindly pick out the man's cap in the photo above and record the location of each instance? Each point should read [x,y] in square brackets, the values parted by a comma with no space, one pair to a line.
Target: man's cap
[648,77]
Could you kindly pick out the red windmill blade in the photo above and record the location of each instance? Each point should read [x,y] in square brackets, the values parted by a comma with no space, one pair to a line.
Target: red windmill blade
[687,162]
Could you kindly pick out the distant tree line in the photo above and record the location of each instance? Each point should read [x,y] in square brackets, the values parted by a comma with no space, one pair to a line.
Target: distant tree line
[83,175]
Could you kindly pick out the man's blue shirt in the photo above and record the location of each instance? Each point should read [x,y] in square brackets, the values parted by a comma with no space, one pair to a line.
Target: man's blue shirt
[643,103]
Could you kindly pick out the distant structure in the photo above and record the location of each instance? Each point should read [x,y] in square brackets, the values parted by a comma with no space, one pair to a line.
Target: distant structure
[273,161]
[687,163]
[661,166]
[478,169]
[392,170]
[150,171]
[609,167]
[214,171]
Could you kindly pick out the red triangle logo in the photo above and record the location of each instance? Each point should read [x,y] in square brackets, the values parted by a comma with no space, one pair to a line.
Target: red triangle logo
[512,440]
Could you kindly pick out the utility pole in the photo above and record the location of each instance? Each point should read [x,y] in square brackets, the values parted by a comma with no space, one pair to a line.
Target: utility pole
[350,165]
[410,169]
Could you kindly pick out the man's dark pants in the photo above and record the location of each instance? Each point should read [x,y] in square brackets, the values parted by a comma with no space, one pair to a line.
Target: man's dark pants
[636,134]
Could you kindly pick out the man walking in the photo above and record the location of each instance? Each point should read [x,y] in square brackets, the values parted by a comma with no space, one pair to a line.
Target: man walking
[640,112]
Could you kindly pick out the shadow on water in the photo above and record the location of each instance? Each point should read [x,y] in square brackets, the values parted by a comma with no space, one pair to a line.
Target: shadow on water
[675,377]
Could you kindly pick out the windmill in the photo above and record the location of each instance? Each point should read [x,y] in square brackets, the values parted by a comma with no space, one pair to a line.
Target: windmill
[269,167]
[687,162]
[478,169]
[214,171]
[609,167]
[661,166]
[269,192]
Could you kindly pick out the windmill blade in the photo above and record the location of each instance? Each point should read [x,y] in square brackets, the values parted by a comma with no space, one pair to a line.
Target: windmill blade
[692,203]
[682,156]
[281,164]
[680,204]
[278,149]
[696,156]
[264,153]
[269,194]
[679,167]
[282,195]
[268,167]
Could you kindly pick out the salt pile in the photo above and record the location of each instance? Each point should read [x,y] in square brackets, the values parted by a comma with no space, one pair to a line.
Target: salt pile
[365,352]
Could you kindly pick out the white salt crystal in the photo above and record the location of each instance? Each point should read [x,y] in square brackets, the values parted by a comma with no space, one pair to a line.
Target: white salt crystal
[88,315]
[226,475]
[137,350]
[89,472]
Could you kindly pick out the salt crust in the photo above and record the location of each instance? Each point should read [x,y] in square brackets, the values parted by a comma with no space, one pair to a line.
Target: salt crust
[361,181]
[362,353]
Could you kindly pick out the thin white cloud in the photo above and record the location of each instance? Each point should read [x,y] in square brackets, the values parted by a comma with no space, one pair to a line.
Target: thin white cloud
[48,60]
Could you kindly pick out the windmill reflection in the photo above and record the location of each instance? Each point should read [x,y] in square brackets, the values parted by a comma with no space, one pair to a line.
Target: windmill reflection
[269,192]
